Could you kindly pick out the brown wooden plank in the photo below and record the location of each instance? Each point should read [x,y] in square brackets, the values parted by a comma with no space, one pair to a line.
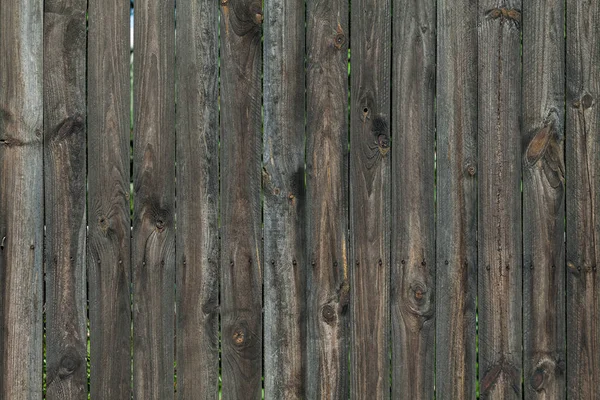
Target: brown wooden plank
[240,168]
[21,199]
[108,199]
[456,228]
[197,201]
[153,245]
[583,197]
[413,203]
[284,200]
[327,199]
[370,199]
[65,196]
[499,224]
[543,200]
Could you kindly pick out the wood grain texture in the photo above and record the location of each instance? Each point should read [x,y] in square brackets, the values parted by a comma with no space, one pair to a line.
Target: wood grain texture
[241,230]
[499,224]
[284,200]
[327,199]
[413,203]
[456,228]
[65,198]
[21,199]
[197,201]
[543,200]
[583,198]
[370,199]
[109,224]
[153,251]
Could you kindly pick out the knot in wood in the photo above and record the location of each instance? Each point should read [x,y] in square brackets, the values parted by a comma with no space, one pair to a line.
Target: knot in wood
[537,379]
[339,40]
[328,314]
[239,336]
[69,363]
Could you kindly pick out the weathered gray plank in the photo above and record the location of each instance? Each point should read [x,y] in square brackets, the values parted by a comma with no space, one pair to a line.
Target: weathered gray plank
[153,245]
[413,206]
[197,200]
[583,197]
[284,200]
[109,221]
[21,199]
[456,228]
[370,199]
[543,200]
[499,224]
[65,195]
[240,168]
[327,199]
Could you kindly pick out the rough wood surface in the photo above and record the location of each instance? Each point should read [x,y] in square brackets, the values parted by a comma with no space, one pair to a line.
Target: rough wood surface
[456,229]
[413,206]
[153,245]
[21,199]
[583,198]
[240,167]
[327,199]
[543,200]
[499,224]
[197,200]
[65,198]
[109,224]
[370,199]
[284,200]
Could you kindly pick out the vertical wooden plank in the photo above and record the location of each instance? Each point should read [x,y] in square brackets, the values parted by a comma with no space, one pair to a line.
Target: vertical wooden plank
[327,199]
[21,199]
[284,200]
[456,229]
[583,197]
[153,251]
[197,200]
[413,203]
[543,200]
[240,168]
[65,194]
[369,199]
[499,226]
[109,221]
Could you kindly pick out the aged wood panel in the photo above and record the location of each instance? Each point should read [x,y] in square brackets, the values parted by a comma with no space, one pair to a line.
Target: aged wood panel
[499,224]
[543,200]
[284,200]
[197,200]
[65,198]
[583,197]
[327,199]
[109,224]
[240,168]
[413,206]
[370,199]
[456,228]
[153,245]
[21,199]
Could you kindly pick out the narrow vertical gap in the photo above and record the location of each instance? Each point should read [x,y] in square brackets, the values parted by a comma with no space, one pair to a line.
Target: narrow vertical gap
[87,276]
[219,159]
[566,221]
[131,191]
[262,200]
[349,238]
[391,208]
[175,214]
[435,199]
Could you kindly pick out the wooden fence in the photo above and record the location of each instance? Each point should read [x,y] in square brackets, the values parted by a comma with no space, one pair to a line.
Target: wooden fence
[278,216]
